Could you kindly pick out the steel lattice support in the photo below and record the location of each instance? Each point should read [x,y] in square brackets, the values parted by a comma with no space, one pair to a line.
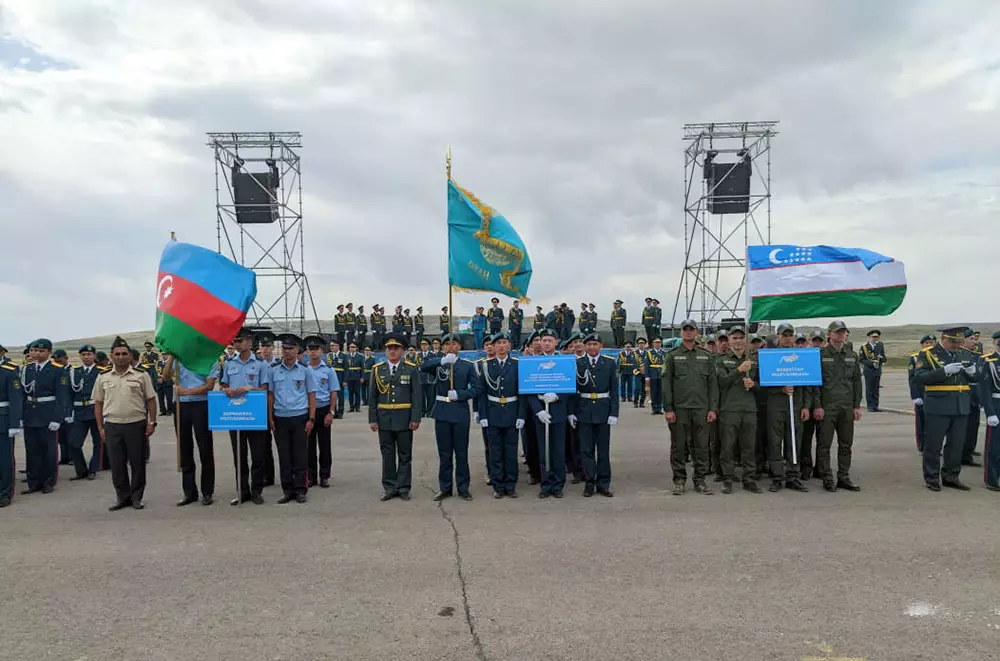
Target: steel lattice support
[274,250]
[712,284]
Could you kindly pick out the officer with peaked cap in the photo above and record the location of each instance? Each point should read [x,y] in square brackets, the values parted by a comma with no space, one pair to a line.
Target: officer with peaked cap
[444,320]
[619,317]
[990,392]
[626,363]
[350,325]
[872,356]
[340,325]
[11,407]
[319,440]
[538,322]
[418,324]
[46,409]
[515,323]
[360,327]
[596,412]
[550,421]
[917,391]
[292,409]
[394,401]
[945,370]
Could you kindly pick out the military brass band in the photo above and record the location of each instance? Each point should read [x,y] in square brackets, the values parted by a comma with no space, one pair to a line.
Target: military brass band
[724,426]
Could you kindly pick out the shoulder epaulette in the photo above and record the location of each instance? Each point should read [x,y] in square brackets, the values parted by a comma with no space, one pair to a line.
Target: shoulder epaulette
[9,366]
[381,362]
[926,349]
[406,362]
[990,359]
[914,354]
[103,369]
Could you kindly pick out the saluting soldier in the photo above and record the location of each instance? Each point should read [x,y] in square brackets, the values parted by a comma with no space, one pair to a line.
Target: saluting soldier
[990,389]
[626,363]
[11,411]
[340,325]
[969,453]
[691,401]
[354,368]
[418,324]
[81,383]
[318,441]
[619,316]
[515,322]
[653,364]
[444,321]
[454,383]
[784,473]
[837,408]
[366,378]
[192,393]
[292,408]
[597,409]
[917,390]
[337,359]
[738,376]
[538,322]
[46,408]
[394,413]
[361,327]
[501,416]
[945,371]
[241,374]
[872,356]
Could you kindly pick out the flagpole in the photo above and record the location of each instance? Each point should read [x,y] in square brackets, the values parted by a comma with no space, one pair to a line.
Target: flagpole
[451,306]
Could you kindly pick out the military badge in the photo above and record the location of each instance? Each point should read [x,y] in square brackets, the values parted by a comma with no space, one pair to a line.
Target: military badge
[298,385]
[251,377]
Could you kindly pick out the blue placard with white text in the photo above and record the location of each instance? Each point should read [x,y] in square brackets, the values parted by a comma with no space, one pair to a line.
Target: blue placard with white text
[790,367]
[537,375]
[245,412]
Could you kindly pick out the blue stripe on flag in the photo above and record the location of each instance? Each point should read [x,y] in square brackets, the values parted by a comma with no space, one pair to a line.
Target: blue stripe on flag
[774,256]
[220,277]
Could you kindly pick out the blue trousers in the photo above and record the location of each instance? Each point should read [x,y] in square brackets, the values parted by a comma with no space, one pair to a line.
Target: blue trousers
[453,443]
[625,385]
[339,409]
[991,459]
[502,457]
[6,461]
[655,398]
[78,431]
[479,335]
[595,446]
[918,426]
[873,380]
[639,390]
[553,479]
[42,451]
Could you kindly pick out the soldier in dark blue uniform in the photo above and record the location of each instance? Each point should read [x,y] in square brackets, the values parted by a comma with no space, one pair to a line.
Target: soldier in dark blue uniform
[46,409]
[515,323]
[551,423]
[872,358]
[366,378]
[969,453]
[454,383]
[11,407]
[354,368]
[619,317]
[426,379]
[626,363]
[596,412]
[917,390]
[60,358]
[394,413]
[81,383]
[337,359]
[653,363]
[989,387]
[945,371]
[501,415]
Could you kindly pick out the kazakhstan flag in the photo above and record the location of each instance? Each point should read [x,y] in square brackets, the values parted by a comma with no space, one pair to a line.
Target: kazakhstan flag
[484,251]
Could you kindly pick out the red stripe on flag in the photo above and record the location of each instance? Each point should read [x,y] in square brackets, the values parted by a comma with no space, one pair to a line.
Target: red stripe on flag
[190,303]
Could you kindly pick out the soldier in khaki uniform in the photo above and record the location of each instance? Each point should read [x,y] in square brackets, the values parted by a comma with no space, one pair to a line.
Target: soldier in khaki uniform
[837,408]
[785,473]
[394,407]
[691,403]
[738,379]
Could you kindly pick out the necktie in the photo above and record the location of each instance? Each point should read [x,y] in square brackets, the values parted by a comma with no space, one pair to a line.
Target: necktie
[593,363]
[392,371]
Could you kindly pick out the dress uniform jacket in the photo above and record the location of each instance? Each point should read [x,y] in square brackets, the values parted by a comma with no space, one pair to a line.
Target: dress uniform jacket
[499,402]
[462,377]
[989,390]
[494,317]
[597,389]
[943,394]
[11,407]
[515,320]
[393,403]
[539,321]
[46,394]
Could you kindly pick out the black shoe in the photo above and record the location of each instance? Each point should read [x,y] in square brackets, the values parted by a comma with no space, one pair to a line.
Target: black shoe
[775,486]
[961,486]
[575,480]
[846,483]
[607,493]
[207,500]
[976,454]
[830,486]
[29,490]
[796,485]
[588,491]
[91,476]
[972,462]
[727,487]
[807,474]
[703,489]
[301,498]
[118,506]
[557,494]
[544,494]
[934,486]
[257,499]
[441,495]
[268,483]
[78,477]
[512,494]
[187,500]
[47,489]
[752,487]
[465,496]
[324,482]
[137,505]
[4,502]
[497,495]
[678,489]
[285,499]
[404,495]
[533,481]
[387,496]
[988,486]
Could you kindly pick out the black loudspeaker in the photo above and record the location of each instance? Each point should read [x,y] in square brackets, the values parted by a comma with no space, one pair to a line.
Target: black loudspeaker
[729,322]
[255,197]
[729,187]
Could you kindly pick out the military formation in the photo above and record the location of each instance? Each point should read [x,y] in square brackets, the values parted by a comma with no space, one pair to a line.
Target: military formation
[725,427]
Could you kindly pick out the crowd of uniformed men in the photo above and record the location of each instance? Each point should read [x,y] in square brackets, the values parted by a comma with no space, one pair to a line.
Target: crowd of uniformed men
[721,420]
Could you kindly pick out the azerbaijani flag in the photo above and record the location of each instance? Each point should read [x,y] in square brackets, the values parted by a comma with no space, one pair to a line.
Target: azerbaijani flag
[202,300]
[802,282]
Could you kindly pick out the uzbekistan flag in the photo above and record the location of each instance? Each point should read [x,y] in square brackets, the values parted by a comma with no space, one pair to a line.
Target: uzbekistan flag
[202,300]
[802,282]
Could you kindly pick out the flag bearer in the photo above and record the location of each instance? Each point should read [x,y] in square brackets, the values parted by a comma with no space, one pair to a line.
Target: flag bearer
[394,413]
[780,421]
[192,397]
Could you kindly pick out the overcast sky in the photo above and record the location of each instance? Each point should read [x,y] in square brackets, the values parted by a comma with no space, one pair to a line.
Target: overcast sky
[565,116]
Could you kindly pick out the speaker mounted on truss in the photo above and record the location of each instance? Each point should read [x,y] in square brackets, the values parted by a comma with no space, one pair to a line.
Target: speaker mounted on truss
[728,184]
[255,194]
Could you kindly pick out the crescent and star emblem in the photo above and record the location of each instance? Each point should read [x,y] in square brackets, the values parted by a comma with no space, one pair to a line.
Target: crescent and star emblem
[773,256]
[164,289]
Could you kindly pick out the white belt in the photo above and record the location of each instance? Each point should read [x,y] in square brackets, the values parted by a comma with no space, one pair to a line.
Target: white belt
[594,395]
[995,395]
[39,400]
[86,402]
[4,405]
[442,398]
[502,400]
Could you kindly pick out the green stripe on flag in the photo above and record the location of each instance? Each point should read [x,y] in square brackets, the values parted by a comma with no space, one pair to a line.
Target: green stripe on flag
[197,352]
[843,303]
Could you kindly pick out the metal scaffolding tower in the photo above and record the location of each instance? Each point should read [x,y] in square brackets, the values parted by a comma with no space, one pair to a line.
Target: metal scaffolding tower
[714,277]
[258,202]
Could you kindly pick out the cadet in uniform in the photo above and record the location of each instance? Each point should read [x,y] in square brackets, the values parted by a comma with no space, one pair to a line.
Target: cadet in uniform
[969,453]
[292,408]
[584,320]
[340,325]
[638,375]
[350,325]
[418,324]
[366,378]
[454,383]
[241,374]
[784,473]
[597,409]
[81,383]
[327,385]
[444,321]
[354,367]
[989,388]
[551,422]
[46,408]
[691,401]
[426,379]
[394,412]
[378,325]
[872,356]
[361,327]
[515,322]
[945,371]
[619,317]
[501,415]
[626,363]
[649,319]
[337,359]
[538,323]
[11,407]
[917,391]
[407,326]
[653,364]
[399,322]
[192,397]
[494,316]
[837,408]
[148,356]
[60,359]
[738,377]
[265,341]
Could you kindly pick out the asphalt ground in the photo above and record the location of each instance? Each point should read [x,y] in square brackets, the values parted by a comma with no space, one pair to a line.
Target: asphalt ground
[893,572]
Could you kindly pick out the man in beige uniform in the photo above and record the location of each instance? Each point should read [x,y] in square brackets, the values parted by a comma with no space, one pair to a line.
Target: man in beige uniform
[125,408]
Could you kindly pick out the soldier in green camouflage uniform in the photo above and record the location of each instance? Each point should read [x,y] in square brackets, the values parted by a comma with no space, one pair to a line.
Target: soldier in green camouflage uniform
[785,473]
[837,407]
[738,379]
[691,402]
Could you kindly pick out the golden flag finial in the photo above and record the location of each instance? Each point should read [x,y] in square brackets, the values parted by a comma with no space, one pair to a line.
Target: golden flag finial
[447,160]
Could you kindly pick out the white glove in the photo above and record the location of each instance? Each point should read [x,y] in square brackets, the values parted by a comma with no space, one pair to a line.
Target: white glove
[68,420]
[993,421]
[549,398]
[519,424]
[13,432]
[971,370]
[54,426]
[544,416]
[572,420]
[449,359]
[453,394]
[484,423]
[612,420]
[918,401]
[953,368]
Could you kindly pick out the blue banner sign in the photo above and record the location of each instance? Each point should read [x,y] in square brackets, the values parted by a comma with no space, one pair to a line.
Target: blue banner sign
[537,375]
[246,412]
[790,367]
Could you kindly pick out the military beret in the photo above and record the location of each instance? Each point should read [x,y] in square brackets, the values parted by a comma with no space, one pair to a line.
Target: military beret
[592,337]
[450,337]
[785,327]
[496,337]
[59,353]
[838,325]
[100,355]
[41,343]
[996,335]
[969,332]
[290,341]
[930,337]
[85,347]
[546,332]
[313,342]
[573,337]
